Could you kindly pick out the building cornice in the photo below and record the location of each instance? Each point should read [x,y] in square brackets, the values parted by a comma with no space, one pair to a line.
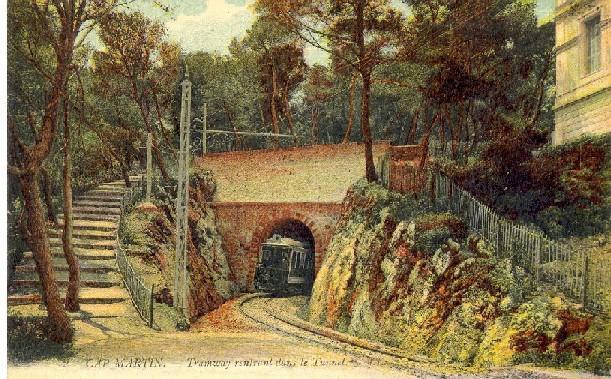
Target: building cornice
[584,97]
[567,45]
[570,7]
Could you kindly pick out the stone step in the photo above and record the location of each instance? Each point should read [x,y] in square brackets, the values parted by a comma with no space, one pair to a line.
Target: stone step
[92,217]
[87,311]
[118,183]
[63,275]
[60,264]
[85,283]
[108,295]
[121,183]
[115,186]
[108,226]
[96,210]
[99,199]
[86,234]
[95,218]
[98,204]
[114,194]
[85,243]
[82,254]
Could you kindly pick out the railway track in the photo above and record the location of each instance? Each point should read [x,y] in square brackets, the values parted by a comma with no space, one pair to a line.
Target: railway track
[260,308]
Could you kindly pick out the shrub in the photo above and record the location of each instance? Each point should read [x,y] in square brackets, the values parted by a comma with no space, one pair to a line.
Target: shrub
[564,190]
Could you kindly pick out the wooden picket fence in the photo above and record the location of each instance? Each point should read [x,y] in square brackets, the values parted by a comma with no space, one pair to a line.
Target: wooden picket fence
[585,279]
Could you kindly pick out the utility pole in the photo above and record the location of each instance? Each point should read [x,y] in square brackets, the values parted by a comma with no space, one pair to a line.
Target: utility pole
[182,201]
[204,131]
[149,166]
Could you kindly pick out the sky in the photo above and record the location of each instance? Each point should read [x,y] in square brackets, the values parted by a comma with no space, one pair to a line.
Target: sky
[210,25]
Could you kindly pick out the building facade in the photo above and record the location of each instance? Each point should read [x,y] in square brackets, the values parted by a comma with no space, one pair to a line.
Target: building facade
[583,69]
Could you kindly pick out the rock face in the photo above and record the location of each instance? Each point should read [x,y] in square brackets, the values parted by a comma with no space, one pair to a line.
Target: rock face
[210,279]
[398,273]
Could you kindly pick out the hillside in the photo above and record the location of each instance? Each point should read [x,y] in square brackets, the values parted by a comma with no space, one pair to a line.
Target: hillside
[399,273]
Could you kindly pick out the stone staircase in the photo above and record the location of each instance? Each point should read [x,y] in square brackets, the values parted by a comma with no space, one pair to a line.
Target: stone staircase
[96,216]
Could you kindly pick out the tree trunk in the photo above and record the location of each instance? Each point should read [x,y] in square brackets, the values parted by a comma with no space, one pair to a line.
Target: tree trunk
[365,71]
[27,165]
[456,133]
[540,91]
[261,115]
[60,329]
[424,143]
[48,195]
[287,113]
[442,134]
[411,134]
[125,163]
[156,151]
[161,129]
[237,143]
[273,110]
[370,171]
[315,124]
[159,160]
[350,109]
[125,174]
[72,293]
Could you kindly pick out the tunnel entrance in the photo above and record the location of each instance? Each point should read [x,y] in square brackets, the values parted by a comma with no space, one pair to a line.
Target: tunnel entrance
[301,273]
[296,230]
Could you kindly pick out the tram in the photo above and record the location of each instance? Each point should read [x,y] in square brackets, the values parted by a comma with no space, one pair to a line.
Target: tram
[285,266]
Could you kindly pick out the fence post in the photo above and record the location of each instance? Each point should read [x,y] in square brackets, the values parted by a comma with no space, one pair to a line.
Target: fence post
[537,258]
[151,303]
[432,190]
[584,278]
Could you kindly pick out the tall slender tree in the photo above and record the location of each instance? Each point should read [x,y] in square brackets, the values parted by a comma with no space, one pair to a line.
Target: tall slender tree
[137,51]
[361,33]
[44,35]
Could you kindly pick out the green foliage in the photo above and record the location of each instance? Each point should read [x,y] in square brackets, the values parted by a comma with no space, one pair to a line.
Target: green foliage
[599,335]
[134,230]
[15,244]
[547,331]
[563,190]
[430,240]
[28,341]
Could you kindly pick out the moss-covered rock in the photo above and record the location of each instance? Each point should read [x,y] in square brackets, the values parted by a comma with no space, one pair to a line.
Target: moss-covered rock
[399,273]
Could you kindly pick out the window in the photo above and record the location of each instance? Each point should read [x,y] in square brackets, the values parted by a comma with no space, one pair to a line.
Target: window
[593,44]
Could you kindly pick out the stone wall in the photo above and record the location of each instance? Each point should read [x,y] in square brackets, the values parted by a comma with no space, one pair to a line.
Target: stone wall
[583,99]
[244,226]
[590,115]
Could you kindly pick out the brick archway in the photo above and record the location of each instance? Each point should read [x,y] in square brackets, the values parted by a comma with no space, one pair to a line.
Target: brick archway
[244,226]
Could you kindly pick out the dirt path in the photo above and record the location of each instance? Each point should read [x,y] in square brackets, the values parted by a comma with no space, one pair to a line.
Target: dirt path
[223,344]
